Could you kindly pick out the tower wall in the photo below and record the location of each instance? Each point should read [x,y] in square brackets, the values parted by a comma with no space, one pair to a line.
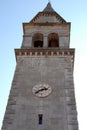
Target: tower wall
[58,109]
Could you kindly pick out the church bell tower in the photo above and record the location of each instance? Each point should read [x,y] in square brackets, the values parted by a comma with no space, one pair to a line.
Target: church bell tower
[42,94]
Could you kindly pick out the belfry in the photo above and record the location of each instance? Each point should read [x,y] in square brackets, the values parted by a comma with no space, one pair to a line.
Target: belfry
[42,94]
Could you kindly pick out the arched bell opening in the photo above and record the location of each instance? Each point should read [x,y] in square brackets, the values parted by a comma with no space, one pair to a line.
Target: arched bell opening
[53,40]
[38,40]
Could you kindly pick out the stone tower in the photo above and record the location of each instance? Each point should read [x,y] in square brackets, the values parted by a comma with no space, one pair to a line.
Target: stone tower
[42,93]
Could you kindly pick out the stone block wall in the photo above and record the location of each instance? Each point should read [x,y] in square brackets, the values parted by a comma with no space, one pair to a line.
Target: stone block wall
[58,108]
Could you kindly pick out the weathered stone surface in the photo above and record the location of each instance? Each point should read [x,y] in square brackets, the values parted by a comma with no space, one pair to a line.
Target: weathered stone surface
[34,70]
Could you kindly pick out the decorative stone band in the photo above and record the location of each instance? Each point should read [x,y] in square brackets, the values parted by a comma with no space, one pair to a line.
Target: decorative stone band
[58,17]
[45,52]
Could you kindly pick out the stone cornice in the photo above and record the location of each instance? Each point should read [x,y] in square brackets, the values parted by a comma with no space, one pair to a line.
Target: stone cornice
[45,52]
[48,14]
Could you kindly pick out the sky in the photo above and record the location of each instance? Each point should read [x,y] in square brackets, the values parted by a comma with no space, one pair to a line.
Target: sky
[15,12]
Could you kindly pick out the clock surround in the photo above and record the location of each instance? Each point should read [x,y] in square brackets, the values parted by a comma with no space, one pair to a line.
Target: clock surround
[42,90]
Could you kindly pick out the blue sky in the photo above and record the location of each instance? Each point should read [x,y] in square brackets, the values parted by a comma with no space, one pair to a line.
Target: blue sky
[12,14]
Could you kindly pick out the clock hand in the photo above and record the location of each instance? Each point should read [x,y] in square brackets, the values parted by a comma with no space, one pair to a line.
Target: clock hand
[37,92]
[45,88]
[41,90]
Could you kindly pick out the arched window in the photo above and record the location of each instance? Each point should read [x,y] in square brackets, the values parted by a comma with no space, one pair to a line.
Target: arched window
[53,40]
[38,40]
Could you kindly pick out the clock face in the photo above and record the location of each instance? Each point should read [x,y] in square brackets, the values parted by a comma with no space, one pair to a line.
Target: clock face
[41,90]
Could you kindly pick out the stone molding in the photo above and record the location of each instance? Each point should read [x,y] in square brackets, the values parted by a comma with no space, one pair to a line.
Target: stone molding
[45,52]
